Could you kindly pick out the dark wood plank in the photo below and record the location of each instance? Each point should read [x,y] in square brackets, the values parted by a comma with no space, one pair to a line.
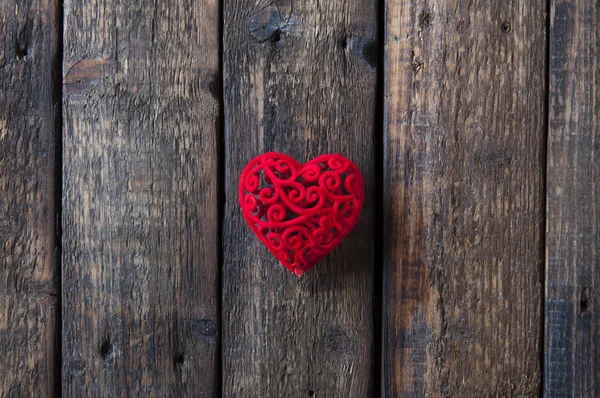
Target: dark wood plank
[464,134]
[140,259]
[299,78]
[573,202]
[28,291]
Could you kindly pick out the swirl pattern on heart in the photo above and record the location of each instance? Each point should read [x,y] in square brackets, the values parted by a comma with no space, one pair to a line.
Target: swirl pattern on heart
[301,212]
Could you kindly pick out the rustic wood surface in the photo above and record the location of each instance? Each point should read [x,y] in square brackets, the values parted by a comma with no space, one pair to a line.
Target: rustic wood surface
[299,78]
[475,125]
[140,244]
[28,289]
[464,140]
[572,366]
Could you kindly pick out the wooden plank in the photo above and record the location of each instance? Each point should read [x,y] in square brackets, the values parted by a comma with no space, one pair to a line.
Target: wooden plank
[573,202]
[141,109]
[299,78]
[464,135]
[28,290]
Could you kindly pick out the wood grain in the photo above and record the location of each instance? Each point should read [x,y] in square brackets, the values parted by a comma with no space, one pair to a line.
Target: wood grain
[299,78]
[140,255]
[28,290]
[463,189]
[573,202]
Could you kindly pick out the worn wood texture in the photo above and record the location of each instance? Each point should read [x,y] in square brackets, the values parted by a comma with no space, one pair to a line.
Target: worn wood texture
[464,134]
[28,291]
[140,254]
[299,78]
[573,202]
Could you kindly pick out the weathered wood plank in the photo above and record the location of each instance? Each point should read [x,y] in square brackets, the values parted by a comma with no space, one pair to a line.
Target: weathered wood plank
[299,78]
[464,134]
[28,291]
[140,259]
[573,202]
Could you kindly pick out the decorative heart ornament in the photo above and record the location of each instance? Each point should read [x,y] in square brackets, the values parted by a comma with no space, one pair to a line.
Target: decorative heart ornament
[301,212]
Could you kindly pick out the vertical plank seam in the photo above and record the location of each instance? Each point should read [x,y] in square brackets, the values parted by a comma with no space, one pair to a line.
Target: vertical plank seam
[544,204]
[378,202]
[221,198]
[57,73]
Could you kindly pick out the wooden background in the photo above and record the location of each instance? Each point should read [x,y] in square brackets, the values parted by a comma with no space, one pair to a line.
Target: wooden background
[126,268]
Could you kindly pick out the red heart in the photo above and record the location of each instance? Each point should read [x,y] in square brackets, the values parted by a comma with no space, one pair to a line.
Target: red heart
[301,212]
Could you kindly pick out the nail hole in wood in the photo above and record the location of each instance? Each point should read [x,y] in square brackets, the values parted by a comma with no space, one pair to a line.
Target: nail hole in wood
[179,359]
[21,51]
[584,299]
[369,53]
[311,393]
[343,42]
[276,36]
[213,85]
[425,20]
[505,26]
[105,349]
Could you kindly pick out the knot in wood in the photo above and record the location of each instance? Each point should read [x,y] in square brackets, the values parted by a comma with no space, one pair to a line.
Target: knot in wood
[265,24]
